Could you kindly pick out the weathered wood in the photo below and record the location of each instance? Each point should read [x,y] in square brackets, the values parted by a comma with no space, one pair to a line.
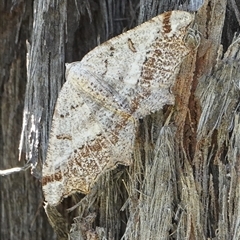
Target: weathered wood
[21,213]
[184,183]
[178,186]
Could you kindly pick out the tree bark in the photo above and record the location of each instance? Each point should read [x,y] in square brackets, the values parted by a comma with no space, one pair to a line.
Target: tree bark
[184,180]
[22,216]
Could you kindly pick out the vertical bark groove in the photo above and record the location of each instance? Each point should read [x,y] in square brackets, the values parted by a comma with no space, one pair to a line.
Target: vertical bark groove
[184,181]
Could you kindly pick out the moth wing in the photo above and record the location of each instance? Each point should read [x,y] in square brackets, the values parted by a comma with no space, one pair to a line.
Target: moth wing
[87,138]
[141,64]
[119,81]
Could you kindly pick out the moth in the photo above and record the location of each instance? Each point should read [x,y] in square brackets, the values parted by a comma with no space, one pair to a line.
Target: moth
[97,111]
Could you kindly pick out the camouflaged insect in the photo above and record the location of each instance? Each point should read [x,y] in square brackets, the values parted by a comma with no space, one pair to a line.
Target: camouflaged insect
[97,111]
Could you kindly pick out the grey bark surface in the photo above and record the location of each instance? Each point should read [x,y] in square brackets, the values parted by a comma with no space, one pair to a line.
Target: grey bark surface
[21,213]
[184,182]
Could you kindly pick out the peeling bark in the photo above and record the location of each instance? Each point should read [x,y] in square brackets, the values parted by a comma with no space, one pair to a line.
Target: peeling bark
[184,182]
[20,194]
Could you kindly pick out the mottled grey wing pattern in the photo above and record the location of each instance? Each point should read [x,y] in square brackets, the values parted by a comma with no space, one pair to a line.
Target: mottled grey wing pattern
[123,79]
[87,138]
[141,64]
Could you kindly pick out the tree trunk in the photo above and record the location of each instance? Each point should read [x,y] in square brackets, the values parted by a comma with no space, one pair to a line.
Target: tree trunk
[22,215]
[184,180]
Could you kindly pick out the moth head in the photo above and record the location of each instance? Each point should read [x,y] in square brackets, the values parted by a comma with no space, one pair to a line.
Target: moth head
[181,19]
[176,21]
